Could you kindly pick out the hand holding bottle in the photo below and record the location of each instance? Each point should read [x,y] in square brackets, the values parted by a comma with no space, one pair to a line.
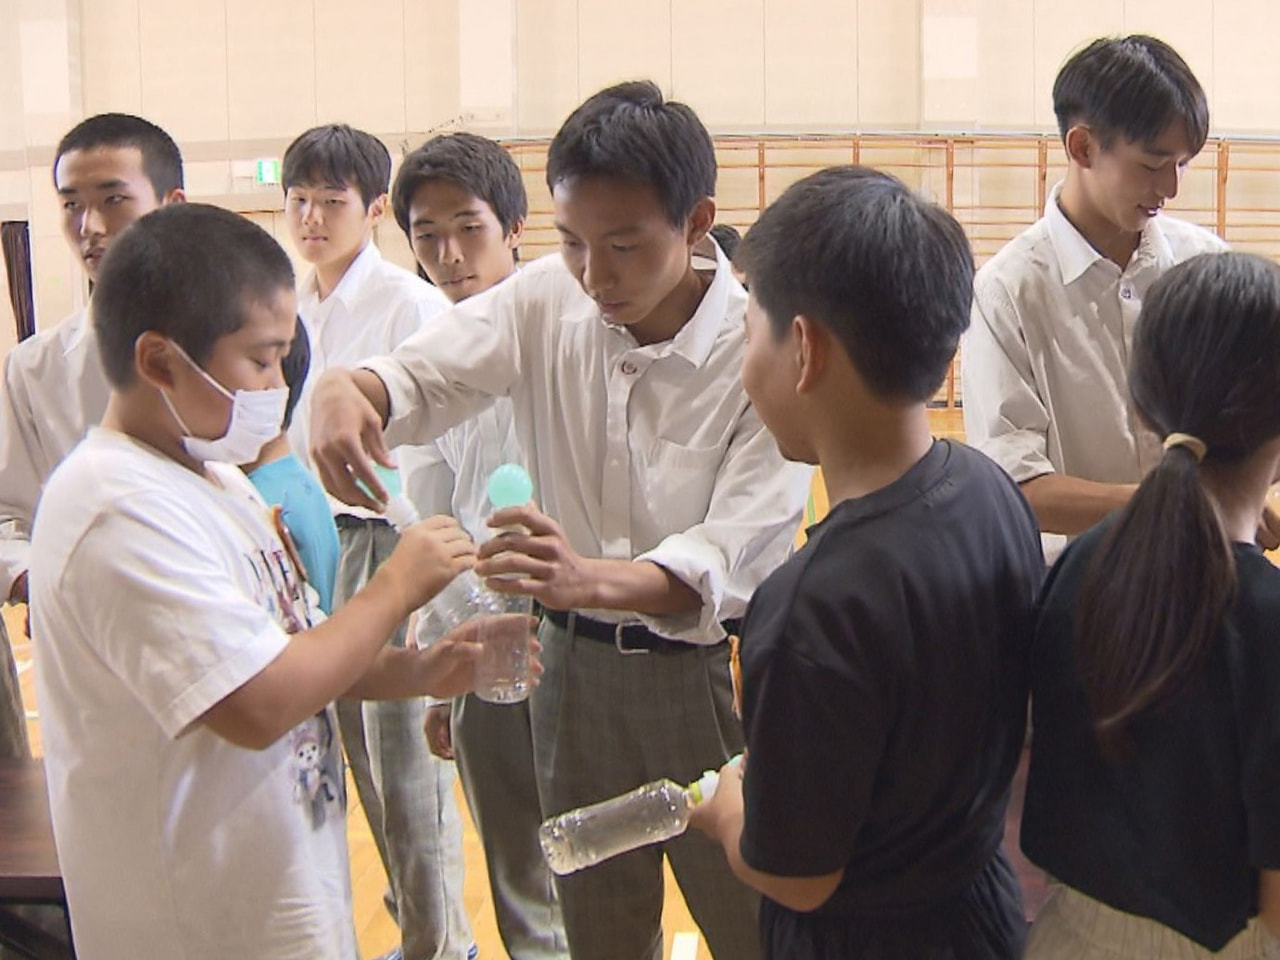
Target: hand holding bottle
[506,671]
[449,666]
[537,561]
[725,805]
[428,557]
[648,814]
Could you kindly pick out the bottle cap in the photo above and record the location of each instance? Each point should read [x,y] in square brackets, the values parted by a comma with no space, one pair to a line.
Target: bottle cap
[390,477]
[704,787]
[510,486]
[400,513]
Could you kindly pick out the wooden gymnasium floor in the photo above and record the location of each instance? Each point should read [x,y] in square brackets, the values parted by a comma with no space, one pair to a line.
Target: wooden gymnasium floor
[376,932]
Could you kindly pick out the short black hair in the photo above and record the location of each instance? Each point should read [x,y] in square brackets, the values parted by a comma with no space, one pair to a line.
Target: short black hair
[161,158]
[631,132]
[295,366]
[1134,87]
[476,164]
[727,238]
[187,271]
[888,272]
[340,156]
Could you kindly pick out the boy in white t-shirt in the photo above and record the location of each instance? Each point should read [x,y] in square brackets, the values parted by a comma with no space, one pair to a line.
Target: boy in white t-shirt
[194,776]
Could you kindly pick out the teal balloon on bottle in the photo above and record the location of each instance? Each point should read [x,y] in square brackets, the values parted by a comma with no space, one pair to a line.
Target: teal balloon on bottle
[510,486]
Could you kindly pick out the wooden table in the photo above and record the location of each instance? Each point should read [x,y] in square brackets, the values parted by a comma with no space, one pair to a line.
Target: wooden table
[29,873]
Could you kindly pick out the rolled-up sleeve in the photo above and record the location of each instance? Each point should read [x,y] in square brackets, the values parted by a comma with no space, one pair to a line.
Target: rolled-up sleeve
[1004,414]
[755,510]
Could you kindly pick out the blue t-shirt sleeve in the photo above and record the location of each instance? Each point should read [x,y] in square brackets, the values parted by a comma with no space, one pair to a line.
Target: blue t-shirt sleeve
[305,511]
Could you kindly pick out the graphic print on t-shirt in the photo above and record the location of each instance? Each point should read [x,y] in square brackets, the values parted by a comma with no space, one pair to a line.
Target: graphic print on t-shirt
[316,767]
[315,760]
[278,588]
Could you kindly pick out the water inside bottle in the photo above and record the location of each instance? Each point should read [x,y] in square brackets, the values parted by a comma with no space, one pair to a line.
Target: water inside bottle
[584,837]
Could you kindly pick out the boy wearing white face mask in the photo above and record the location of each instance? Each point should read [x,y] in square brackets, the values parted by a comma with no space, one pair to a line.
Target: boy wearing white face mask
[194,776]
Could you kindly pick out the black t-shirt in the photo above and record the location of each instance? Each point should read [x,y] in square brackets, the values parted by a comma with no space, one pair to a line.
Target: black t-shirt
[1173,829]
[885,685]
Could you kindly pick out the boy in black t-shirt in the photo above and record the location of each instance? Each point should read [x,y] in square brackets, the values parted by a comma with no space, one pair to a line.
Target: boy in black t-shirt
[884,666]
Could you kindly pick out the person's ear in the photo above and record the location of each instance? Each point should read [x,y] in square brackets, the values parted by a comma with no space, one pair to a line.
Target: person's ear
[377,208]
[701,220]
[813,347]
[176,195]
[153,359]
[1082,146]
[512,239]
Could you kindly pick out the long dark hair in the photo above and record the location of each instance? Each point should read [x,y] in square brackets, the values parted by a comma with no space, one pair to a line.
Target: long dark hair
[1206,362]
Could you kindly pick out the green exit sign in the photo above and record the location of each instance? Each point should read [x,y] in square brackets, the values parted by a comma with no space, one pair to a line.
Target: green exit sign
[268,172]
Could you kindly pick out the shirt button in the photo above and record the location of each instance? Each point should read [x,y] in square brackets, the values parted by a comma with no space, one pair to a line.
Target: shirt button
[1126,293]
[628,367]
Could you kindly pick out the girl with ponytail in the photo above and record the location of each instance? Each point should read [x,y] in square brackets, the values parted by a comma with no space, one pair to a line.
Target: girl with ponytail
[1154,791]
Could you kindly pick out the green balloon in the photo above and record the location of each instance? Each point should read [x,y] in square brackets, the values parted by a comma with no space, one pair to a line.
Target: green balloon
[510,486]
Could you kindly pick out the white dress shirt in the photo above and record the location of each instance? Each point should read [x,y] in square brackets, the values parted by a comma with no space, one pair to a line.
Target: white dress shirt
[54,391]
[1045,364]
[374,308]
[640,452]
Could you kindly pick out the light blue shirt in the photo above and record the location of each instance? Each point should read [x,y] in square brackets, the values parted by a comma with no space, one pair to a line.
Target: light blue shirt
[287,484]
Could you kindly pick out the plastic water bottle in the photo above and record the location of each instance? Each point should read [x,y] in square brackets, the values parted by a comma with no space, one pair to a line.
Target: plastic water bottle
[502,672]
[464,596]
[650,814]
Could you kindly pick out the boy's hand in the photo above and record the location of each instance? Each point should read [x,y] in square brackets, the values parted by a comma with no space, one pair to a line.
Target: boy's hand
[547,567]
[724,810]
[346,431]
[438,731]
[448,667]
[429,555]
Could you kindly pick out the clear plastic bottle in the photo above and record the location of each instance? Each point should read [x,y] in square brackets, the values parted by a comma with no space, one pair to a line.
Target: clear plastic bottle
[503,672]
[649,814]
[465,595]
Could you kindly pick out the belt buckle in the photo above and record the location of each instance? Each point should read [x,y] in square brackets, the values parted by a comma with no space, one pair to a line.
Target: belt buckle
[620,630]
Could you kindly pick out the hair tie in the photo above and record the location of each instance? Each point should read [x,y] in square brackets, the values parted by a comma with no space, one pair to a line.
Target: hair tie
[1195,446]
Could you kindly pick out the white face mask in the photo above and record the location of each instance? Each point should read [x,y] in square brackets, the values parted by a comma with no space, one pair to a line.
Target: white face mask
[257,416]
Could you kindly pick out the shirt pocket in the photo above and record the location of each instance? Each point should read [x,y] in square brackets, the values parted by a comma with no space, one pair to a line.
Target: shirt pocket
[679,481]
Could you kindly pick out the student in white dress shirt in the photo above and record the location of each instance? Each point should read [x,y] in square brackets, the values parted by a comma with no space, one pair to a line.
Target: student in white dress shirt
[1045,362]
[663,500]
[108,170]
[461,202]
[355,305]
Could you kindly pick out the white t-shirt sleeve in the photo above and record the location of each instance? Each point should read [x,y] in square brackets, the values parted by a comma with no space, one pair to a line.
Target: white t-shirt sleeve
[160,607]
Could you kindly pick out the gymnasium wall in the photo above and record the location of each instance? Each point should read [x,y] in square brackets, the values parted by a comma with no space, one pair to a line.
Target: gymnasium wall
[234,80]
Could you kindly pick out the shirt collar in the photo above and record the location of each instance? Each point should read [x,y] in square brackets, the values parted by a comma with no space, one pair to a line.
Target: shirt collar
[1076,255]
[84,323]
[345,292]
[695,339]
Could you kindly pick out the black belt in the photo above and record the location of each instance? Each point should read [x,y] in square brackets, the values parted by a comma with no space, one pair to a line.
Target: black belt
[628,637]
[348,521]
